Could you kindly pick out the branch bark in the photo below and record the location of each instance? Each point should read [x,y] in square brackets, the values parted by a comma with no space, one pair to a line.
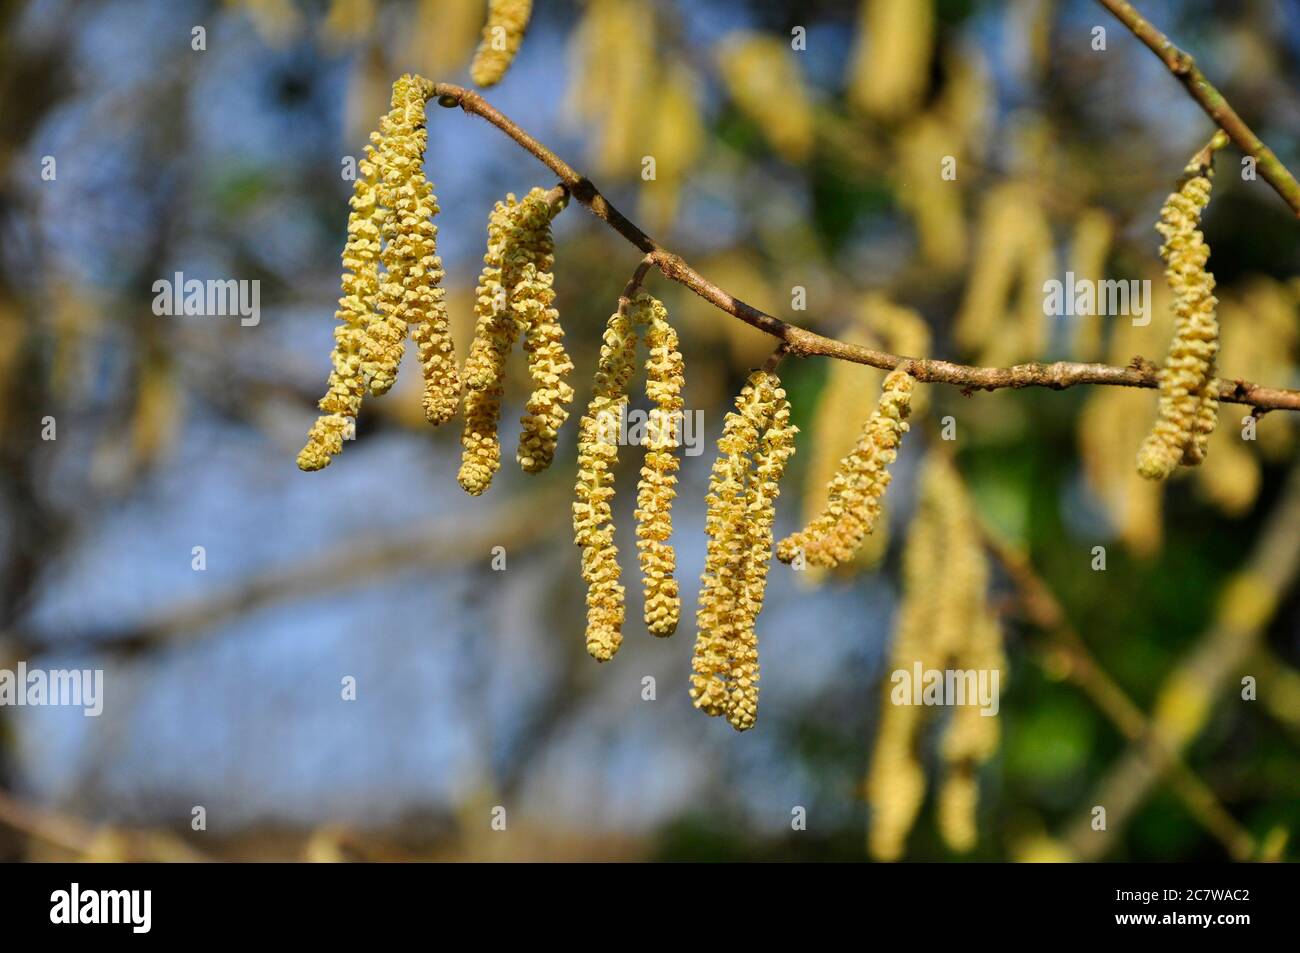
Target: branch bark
[802,342]
[1183,66]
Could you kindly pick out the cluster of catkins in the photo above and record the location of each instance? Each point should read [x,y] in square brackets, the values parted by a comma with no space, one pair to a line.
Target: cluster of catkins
[945,622]
[757,441]
[514,297]
[391,288]
[1189,400]
[598,439]
[391,225]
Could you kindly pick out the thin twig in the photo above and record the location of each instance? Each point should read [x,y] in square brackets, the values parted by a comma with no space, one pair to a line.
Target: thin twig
[802,342]
[634,284]
[1184,68]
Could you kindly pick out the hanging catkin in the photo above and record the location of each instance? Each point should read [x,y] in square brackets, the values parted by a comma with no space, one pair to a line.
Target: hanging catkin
[494,335]
[834,433]
[896,779]
[593,520]
[598,437]
[515,296]
[507,22]
[655,492]
[392,207]
[855,492]
[1188,407]
[757,441]
[549,366]
[890,67]
[944,622]
[411,294]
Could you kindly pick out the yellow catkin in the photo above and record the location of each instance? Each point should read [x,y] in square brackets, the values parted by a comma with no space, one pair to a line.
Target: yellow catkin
[391,221]
[407,231]
[1001,318]
[890,69]
[834,433]
[494,335]
[593,520]
[665,372]
[944,621]
[855,492]
[933,202]
[506,24]
[356,310]
[411,295]
[514,296]
[531,299]
[757,442]
[613,57]
[1188,406]
[774,452]
[896,778]
[762,76]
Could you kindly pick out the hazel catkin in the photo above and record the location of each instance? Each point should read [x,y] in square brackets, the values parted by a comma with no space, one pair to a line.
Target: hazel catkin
[1188,405]
[593,521]
[515,296]
[342,400]
[756,443]
[656,489]
[530,258]
[944,622]
[854,496]
[507,22]
[392,207]
[494,335]
[411,296]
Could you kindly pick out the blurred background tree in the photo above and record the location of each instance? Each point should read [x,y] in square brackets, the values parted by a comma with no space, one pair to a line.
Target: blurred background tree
[779,165]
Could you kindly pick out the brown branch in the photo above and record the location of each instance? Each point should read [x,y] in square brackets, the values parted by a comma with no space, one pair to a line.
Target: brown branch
[634,284]
[802,342]
[1185,70]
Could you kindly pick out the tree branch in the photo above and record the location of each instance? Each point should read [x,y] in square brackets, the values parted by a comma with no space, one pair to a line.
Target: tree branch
[802,342]
[1185,70]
